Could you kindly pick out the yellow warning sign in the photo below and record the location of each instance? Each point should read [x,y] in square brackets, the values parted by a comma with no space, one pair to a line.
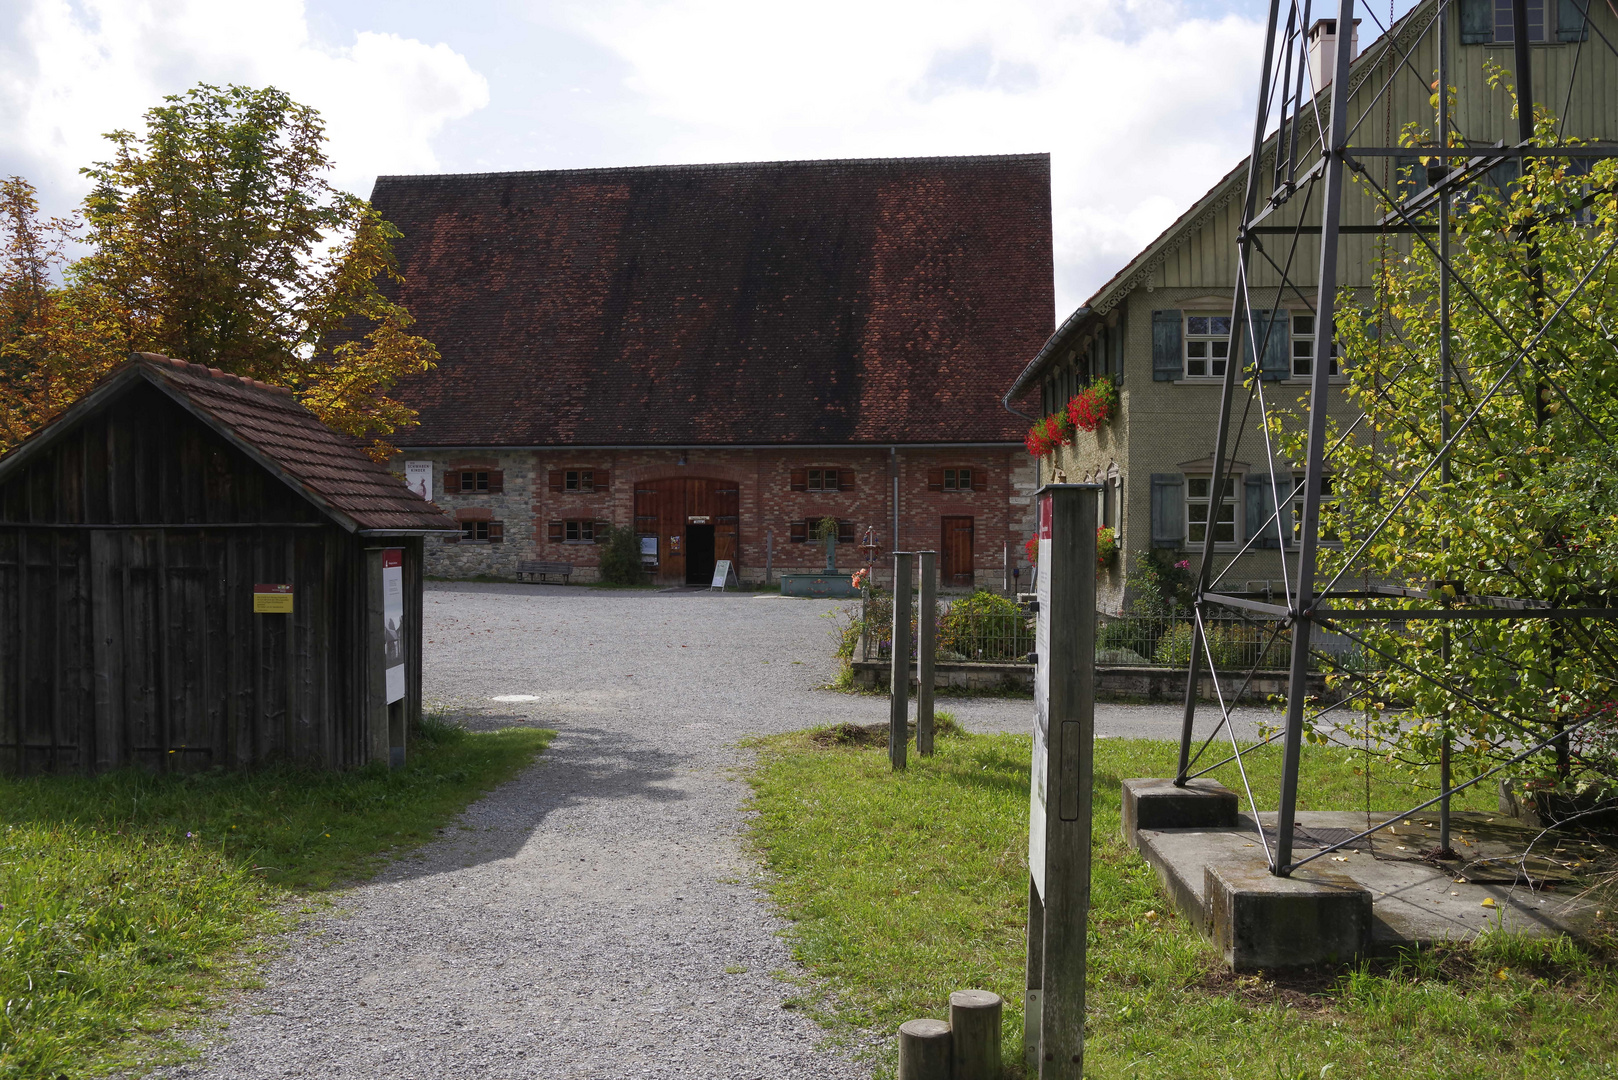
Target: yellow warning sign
[272,599]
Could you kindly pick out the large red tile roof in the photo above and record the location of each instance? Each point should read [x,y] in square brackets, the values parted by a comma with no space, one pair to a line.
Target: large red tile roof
[812,302]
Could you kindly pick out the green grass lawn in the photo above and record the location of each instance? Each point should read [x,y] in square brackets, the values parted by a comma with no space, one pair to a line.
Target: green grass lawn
[905,887]
[130,902]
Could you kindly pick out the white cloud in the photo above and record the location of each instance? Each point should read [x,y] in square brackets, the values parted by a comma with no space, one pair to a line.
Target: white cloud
[1141,104]
[79,70]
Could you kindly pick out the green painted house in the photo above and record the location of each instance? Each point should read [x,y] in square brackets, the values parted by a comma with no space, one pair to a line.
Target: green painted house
[1160,326]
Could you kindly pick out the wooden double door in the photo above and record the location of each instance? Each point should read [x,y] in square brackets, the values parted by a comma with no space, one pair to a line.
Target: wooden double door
[694,521]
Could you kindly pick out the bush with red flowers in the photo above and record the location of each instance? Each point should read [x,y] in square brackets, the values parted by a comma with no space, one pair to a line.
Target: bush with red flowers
[1048,434]
[1094,405]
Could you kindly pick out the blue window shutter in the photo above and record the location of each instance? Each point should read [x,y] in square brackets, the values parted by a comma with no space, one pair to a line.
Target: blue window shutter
[1167,362]
[1477,22]
[1168,510]
[1259,508]
[1571,24]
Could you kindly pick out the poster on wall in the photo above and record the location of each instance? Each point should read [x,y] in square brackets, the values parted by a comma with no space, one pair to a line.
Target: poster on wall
[419,478]
[393,622]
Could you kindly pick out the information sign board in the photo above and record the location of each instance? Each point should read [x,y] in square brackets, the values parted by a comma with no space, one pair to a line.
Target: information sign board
[724,575]
[393,622]
[272,599]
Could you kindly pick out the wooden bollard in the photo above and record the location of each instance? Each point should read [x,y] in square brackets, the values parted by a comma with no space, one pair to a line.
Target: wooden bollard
[925,1050]
[974,1017]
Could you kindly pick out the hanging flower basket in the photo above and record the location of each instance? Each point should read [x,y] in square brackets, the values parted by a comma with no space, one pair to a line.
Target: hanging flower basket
[1032,550]
[1094,405]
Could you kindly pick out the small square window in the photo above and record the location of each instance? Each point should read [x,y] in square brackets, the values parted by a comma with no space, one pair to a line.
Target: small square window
[823,480]
[1303,348]
[1207,346]
[580,532]
[957,479]
[474,481]
[579,480]
[1198,497]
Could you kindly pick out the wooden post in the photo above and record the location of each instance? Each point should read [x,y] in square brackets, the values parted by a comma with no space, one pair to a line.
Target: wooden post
[1059,799]
[769,554]
[899,671]
[925,1048]
[927,645]
[974,1020]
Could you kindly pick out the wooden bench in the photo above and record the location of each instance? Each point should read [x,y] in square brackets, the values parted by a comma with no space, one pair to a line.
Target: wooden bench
[531,570]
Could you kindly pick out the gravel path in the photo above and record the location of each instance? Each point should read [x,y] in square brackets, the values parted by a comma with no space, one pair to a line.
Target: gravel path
[595,917]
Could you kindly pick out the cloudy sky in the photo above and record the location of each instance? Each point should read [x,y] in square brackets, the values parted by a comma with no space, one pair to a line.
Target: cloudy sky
[1141,103]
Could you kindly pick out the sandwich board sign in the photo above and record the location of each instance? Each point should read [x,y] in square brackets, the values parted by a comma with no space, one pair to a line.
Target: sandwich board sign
[724,575]
[1059,785]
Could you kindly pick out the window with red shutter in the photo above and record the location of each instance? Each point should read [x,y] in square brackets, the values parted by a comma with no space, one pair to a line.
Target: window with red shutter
[497,480]
[602,477]
[800,479]
[845,532]
[935,479]
[557,476]
[497,532]
[845,479]
[601,530]
[800,532]
[554,532]
[452,482]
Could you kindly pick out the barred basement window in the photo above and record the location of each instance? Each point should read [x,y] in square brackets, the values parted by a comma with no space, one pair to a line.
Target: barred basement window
[957,479]
[491,532]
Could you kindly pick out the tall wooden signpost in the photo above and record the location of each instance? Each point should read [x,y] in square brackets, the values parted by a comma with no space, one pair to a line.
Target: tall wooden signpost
[1059,788]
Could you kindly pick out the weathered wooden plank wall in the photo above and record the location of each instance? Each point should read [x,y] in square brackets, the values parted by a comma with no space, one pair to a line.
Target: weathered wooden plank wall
[128,553]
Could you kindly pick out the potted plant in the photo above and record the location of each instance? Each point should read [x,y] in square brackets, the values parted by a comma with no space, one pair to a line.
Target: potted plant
[1106,547]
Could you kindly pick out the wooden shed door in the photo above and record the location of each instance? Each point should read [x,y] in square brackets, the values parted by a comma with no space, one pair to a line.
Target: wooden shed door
[665,508]
[955,551]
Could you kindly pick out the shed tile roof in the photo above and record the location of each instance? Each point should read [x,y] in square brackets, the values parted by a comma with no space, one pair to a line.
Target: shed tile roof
[331,467]
[864,301]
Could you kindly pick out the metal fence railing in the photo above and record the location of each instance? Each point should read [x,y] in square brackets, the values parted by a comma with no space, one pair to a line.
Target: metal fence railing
[1124,641]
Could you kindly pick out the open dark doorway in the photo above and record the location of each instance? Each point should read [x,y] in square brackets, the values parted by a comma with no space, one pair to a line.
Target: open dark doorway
[698,554]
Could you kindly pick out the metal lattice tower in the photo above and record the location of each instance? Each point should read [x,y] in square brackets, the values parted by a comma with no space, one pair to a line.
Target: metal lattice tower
[1305,145]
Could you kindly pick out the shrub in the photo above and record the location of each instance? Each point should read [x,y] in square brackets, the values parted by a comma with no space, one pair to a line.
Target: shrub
[986,626]
[620,555]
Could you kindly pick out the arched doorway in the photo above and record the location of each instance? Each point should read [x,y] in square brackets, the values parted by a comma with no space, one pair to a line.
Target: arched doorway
[694,521]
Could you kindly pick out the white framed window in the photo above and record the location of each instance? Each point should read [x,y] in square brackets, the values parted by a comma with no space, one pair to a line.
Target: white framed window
[1505,30]
[1199,506]
[1207,346]
[1328,503]
[1303,348]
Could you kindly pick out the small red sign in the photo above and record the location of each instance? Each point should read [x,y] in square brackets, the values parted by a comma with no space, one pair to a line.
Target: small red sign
[393,556]
[1044,532]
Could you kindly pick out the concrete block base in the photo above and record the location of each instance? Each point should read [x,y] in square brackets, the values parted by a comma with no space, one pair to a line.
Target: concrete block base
[1159,804]
[1261,921]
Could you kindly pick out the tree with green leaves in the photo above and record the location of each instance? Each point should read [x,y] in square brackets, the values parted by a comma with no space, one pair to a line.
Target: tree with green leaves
[1497,477]
[217,238]
[54,342]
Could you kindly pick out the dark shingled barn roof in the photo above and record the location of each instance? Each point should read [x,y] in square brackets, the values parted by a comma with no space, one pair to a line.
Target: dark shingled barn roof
[801,302]
[266,422]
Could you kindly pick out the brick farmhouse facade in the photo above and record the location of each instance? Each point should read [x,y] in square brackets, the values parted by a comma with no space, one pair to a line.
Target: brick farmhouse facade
[722,356]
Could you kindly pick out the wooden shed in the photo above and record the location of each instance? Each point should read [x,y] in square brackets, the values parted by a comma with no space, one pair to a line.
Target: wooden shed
[196,572]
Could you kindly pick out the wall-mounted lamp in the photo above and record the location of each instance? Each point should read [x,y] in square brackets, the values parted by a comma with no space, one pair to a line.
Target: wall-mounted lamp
[682,457]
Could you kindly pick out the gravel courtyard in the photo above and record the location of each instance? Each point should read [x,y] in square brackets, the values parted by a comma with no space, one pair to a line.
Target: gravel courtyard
[595,917]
